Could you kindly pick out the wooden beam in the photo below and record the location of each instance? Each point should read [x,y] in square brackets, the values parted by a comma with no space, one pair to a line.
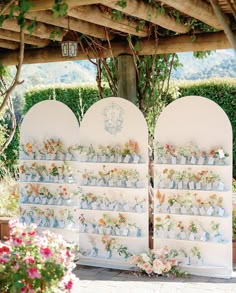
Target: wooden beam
[94,15]
[175,44]
[147,12]
[14,36]
[9,45]
[41,30]
[222,19]
[77,25]
[196,9]
[39,5]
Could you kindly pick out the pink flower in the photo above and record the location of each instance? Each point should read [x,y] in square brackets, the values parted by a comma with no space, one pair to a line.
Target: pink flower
[23,290]
[33,273]
[69,285]
[29,260]
[16,267]
[17,241]
[167,267]
[147,268]
[46,252]
[158,266]
[4,249]
[134,259]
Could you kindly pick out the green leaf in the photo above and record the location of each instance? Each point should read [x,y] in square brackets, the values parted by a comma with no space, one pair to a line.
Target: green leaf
[2,18]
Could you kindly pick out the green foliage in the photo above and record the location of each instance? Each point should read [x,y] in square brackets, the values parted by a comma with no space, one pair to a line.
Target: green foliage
[121,3]
[60,8]
[223,93]
[78,99]
[9,199]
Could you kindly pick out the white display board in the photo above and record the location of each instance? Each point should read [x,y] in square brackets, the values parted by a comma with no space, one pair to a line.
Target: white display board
[193,185]
[49,191]
[114,182]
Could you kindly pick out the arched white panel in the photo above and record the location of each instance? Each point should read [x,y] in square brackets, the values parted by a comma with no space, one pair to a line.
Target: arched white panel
[113,122]
[50,118]
[197,121]
[48,169]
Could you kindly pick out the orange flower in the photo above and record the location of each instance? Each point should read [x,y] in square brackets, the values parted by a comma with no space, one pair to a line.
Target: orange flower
[102,222]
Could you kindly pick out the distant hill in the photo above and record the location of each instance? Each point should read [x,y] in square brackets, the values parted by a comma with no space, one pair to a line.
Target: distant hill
[56,73]
[221,63]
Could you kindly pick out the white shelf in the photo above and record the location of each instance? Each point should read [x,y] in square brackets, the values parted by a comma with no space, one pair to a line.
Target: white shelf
[191,215]
[48,183]
[50,205]
[190,241]
[191,190]
[190,165]
[44,182]
[47,161]
[75,230]
[116,236]
[113,163]
[113,212]
[113,187]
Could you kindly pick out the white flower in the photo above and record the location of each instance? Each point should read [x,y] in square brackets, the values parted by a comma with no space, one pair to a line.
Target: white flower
[145,257]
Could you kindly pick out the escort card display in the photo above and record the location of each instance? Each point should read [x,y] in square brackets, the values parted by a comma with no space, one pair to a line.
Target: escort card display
[192,185]
[49,190]
[113,178]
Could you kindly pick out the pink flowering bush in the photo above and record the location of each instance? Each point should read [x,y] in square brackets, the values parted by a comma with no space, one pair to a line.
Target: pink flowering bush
[157,262]
[32,263]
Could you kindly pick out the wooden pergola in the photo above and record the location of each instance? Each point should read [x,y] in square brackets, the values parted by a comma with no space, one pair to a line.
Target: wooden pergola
[165,27]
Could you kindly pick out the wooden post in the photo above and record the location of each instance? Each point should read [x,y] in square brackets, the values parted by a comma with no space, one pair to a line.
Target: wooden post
[127,88]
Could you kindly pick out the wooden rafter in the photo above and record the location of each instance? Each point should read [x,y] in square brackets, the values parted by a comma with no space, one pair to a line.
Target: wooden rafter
[197,9]
[15,36]
[39,5]
[77,25]
[208,41]
[146,12]
[41,30]
[221,16]
[9,44]
[94,15]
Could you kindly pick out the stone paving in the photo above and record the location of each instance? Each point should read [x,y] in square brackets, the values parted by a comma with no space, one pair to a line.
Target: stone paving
[100,280]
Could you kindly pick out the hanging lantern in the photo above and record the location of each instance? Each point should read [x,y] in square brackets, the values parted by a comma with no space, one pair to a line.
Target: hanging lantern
[69,43]
[69,48]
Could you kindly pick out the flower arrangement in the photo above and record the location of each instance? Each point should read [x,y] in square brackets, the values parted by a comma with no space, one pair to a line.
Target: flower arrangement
[189,154]
[158,262]
[193,229]
[187,179]
[33,263]
[128,178]
[49,173]
[49,217]
[106,225]
[127,153]
[40,194]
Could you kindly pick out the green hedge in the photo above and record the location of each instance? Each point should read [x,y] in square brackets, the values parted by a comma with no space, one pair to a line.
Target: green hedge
[78,98]
[222,92]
